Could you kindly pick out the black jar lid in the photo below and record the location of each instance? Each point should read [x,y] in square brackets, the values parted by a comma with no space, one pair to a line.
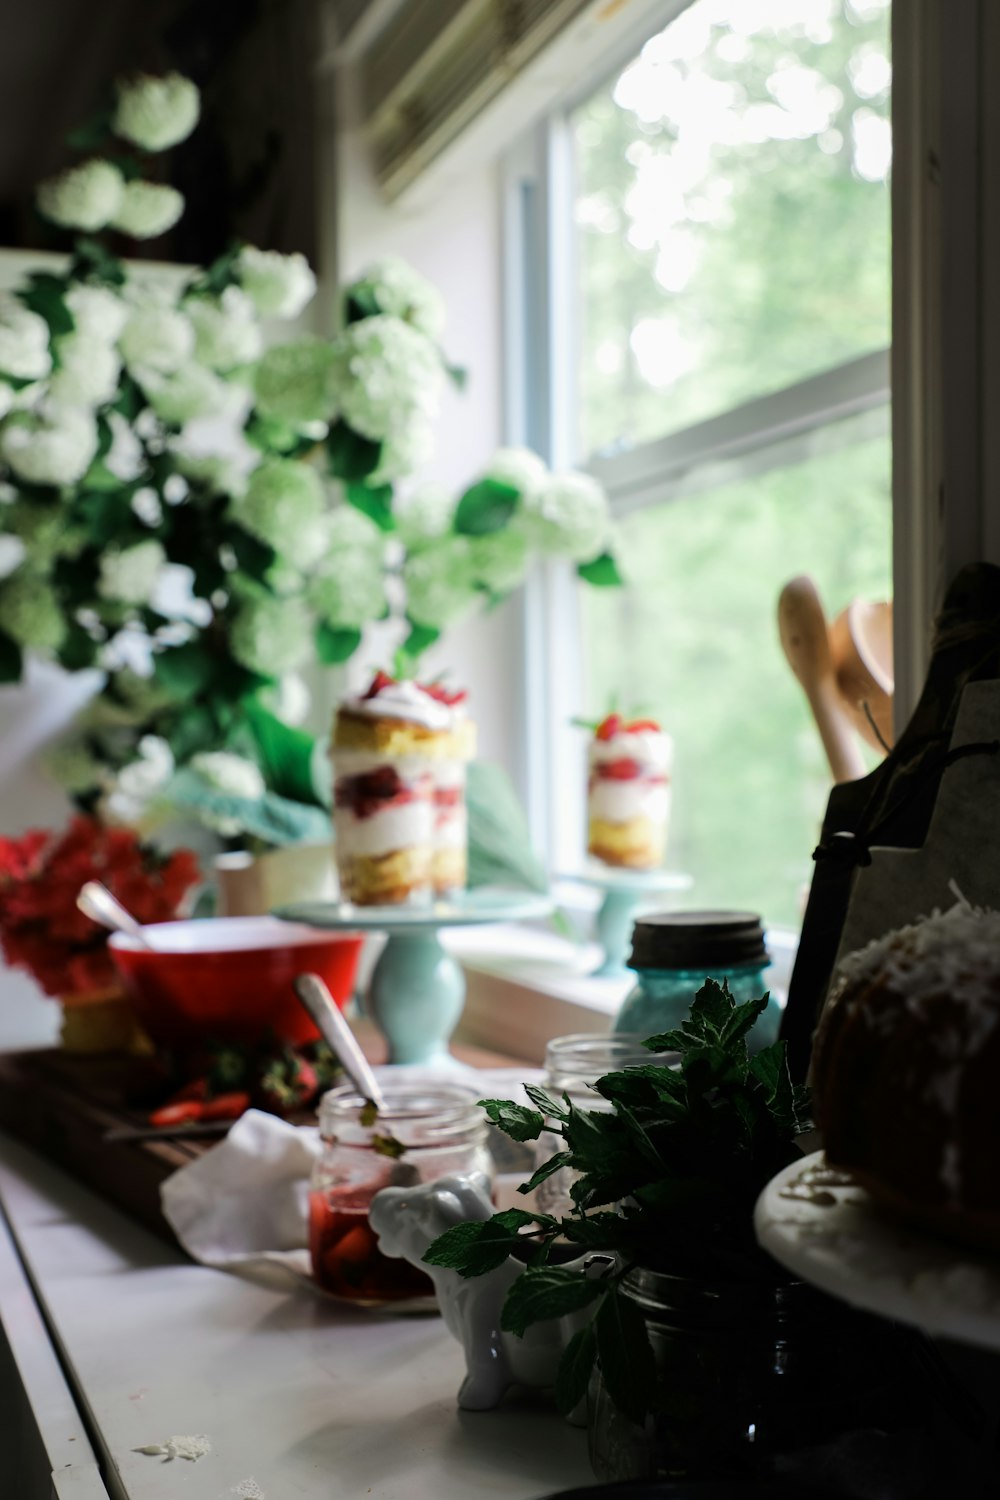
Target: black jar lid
[697,940]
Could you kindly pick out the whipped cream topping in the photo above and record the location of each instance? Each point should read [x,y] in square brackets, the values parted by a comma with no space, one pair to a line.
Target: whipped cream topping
[621,801]
[404,826]
[403,700]
[647,746]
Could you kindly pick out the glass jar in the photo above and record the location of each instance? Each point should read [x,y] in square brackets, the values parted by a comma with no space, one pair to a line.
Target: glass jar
[759,1381]
[673,953]
[441,1130]
[572,1064]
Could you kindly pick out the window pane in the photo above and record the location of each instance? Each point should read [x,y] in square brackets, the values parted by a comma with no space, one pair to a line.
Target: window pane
[693,639]
[732,212]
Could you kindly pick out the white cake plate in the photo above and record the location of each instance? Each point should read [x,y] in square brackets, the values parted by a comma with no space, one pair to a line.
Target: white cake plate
[831,1233]
[625,891]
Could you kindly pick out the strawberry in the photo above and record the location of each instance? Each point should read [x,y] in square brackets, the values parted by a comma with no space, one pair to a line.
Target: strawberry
[640,726]
[225,1107]
[451,698]
[609,727]
[624,769]
[177,1114]
[288,1082]
[380,681]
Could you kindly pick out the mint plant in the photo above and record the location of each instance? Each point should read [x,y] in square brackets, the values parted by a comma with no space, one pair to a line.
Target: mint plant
[668,1178]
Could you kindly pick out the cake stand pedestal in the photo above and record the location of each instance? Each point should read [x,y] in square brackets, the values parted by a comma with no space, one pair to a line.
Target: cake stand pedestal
[417,989]
[827,1231]
[625,891]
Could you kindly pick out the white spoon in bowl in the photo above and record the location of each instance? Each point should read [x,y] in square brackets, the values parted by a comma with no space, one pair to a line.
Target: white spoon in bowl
[97,903]
[335,1031]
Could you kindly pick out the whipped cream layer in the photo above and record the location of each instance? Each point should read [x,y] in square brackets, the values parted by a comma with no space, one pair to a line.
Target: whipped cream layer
[402,700]
[620,801]
[650,748]
[404,826]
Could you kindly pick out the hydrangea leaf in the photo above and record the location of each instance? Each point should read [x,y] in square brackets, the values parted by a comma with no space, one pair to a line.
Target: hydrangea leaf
[45,294]
[500,848]
[602,572]
[184,670]
[374,501]
[351,457]
[285,754]
[334,646]
[486,507]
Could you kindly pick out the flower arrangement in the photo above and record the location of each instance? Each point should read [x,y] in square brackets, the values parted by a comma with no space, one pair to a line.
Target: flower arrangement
[200,513]
[41,928]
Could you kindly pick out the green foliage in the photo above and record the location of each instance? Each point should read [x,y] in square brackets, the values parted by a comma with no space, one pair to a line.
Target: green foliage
[272,819]
[374,501]
[602,573]
[335,645]
[486,507]
[45,294]
[667,1178]
[285,755]
[350,456]
[500,850]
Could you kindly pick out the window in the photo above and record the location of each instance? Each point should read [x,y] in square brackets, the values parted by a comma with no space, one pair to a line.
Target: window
[714,227]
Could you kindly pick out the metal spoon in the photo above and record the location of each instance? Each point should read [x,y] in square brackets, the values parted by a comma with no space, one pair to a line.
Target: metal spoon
[335,1031]
[97,903]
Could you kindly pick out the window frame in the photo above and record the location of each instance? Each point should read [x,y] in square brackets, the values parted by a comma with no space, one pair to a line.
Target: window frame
[765,433]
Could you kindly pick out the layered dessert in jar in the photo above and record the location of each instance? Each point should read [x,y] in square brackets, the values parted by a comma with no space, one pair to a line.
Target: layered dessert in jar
[387,744]
[628,792]
[451,821]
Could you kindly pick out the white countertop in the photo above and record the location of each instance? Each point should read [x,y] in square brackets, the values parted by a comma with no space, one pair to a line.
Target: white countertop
[311,1401]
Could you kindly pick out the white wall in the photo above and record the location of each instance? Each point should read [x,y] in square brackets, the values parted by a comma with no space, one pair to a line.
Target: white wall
[452,236]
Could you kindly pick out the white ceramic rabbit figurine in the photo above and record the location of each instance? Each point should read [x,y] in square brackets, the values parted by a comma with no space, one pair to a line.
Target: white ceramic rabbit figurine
[407,1220]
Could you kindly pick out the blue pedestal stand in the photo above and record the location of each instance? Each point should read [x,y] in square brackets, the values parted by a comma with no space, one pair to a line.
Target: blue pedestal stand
[417,990]
[626,893]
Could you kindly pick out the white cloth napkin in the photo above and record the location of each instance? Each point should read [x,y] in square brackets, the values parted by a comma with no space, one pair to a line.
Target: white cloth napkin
[243,1206]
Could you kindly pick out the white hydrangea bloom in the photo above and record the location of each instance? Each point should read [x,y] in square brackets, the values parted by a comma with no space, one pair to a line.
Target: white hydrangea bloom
[148,209]
[56,447]
[6,399]
[285,506]
[156,113]
[189,392]
[24,342]
[233,775]
[439,584]
[349,588]
[130,573]
[279,286]
[125,457]
[518,467]
[88,371]
[396,288]
[84,197]
[156,337]
[499,560]
[12,554]
[295,382]
[271,636]
[226,332]
[144,695]
[30,611]
[351,528]
[224,475]
[404,452]
[97,311]
[424,515]
[386,375]
[568,516]
[139,783]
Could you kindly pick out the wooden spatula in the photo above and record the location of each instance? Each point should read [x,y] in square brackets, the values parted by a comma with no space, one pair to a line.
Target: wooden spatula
[806,643]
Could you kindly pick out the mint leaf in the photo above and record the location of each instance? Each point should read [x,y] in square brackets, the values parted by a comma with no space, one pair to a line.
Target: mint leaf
[513,1119]
[643,1087]
[520,1218]
[486,507]
[575,1369]
[472,1249]
[545,1102]
[742,1019]
[546,1170]
[625,1355]
[601,573]
[543,1292]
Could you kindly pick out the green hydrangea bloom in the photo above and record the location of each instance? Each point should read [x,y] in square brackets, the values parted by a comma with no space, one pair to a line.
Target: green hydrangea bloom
[30,611]
[295,382]
[285,506]
[499,560]
[439,583]
[271,636]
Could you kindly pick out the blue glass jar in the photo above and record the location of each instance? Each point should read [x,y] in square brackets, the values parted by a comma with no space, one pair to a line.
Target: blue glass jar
[673,953]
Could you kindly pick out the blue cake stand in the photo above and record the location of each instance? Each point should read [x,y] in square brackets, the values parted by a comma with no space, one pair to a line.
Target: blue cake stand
[417,990]
[625,893]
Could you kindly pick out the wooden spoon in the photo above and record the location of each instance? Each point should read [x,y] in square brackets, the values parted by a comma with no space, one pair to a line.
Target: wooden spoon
[803,630]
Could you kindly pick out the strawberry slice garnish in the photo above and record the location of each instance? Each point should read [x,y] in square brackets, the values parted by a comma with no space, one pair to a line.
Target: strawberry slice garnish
[609,727]
[624,769]
[639,726]
[380,681]
[441,694]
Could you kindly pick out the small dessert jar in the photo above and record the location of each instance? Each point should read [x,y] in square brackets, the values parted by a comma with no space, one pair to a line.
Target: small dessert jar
[420,1135]
[673,953]
[628,793]
[572,1065]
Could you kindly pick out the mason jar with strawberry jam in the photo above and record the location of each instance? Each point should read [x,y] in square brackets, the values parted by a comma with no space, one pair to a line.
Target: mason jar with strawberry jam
[628,792]
[420,1135]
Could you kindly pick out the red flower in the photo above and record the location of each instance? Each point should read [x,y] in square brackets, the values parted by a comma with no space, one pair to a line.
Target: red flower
[41,928]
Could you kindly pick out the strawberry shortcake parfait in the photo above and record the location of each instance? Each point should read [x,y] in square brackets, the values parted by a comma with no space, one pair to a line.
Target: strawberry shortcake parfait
[628,792]
[388,743]
[451,823]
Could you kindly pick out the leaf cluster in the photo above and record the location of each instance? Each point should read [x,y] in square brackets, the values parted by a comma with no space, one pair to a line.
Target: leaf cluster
[665,1175]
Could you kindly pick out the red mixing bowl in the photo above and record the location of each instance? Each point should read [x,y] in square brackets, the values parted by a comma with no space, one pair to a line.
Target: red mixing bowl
[229,979]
